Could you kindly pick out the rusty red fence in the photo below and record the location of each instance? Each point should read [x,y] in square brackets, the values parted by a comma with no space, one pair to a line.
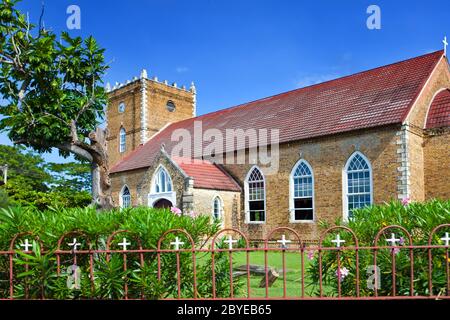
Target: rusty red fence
[395,267]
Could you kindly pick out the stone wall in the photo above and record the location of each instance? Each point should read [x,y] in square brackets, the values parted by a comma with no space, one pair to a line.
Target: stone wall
[139,182]
[203,204]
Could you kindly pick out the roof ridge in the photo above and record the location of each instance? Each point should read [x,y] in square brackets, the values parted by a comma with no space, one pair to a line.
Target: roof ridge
[310,86]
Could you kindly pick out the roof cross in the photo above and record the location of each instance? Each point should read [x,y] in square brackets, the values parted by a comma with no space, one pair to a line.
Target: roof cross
[124,244]
[177,243]
[230,242]
[26,245]
[338,241]
[445,45]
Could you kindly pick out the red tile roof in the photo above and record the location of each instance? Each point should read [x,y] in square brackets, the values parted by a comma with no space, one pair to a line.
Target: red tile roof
[207,175]
[376,97]
[439,112]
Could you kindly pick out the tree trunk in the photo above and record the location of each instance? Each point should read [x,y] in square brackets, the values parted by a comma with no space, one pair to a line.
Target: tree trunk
[96,154]
[101,187]
[272,275]
[101,183]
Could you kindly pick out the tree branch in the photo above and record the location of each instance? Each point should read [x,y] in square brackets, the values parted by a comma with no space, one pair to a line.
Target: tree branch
[69,147]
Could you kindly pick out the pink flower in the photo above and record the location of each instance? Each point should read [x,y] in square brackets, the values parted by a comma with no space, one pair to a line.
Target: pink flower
[311,254]
[395,250]
[193,214]
[406,201]
[175,210]
[342,273]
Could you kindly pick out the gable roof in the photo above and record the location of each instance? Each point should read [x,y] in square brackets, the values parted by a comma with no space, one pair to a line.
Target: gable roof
[439,112]
[207,175]
[372,98]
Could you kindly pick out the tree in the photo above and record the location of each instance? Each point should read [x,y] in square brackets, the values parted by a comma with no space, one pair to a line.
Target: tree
[26,170]
[53,94]
[33,182]
[71,175]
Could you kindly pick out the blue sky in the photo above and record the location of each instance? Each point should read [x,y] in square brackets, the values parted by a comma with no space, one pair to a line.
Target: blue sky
[238,51]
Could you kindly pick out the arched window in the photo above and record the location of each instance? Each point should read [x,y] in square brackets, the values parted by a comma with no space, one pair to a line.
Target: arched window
[162,182]
[255,196]
[217,208]
[302,192]
[122,107]
[125,197]
[122,140]
[357,183]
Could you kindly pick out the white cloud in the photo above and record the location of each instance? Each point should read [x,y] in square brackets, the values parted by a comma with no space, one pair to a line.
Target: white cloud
[182,69]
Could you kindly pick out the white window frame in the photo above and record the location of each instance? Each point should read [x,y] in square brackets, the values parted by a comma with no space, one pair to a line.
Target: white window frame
[292,193]
[246,192]
[154,196]
[122,140]
[121,202]
[221,210]
[345,182]
[155,180]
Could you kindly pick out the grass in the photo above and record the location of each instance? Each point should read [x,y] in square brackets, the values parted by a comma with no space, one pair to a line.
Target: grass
[293,274]
[275,260]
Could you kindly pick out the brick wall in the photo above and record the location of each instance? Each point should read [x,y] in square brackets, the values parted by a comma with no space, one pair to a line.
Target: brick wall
[415,122]
[327,156]
[129,120]
[437,164]
[157,115]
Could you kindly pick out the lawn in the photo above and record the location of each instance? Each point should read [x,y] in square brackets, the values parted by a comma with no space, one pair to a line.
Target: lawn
[293,273]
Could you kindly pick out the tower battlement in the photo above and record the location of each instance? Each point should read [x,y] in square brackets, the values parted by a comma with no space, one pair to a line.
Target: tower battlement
[140,107]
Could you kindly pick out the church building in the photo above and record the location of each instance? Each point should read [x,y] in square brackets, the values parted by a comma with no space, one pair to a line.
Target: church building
[367,138]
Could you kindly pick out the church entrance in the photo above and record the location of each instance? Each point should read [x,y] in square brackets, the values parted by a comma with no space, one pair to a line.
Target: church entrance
[162,203]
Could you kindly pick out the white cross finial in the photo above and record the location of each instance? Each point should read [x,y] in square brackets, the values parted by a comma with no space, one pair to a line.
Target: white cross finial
[26,245]
[124,244]
[338,241]
[284,241]
[446,239]
[445,45]
[392,240]
[230,242]
[177,243]
[75,244]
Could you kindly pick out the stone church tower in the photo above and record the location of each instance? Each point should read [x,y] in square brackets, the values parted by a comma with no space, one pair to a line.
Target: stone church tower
[140,108]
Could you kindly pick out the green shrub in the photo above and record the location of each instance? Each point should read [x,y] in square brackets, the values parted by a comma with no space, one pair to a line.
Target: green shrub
[109,277]
[4,200]
[419,219]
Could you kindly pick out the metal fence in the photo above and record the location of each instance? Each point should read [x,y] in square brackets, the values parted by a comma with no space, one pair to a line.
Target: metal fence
[338,267]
